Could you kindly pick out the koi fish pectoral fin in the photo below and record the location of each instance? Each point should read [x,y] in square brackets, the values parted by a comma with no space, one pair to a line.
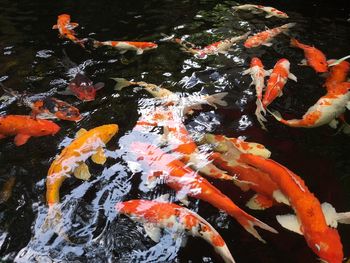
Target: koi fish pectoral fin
[152,231]
[348,105]
[139,51]
[303,62]
[268,44]
[21,139]
[82,172]
[259,202]
[72,25]
[292,77]
[290,222]
[333,123]
[55,27]
[99,157]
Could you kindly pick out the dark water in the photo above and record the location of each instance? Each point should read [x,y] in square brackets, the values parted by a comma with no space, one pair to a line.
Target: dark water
[30,60]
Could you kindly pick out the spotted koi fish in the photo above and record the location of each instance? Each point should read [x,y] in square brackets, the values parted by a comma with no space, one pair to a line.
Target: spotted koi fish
[323,240]
[65,28]
[187,182]
[124,46]
[156,215]
[24,127]
[271,11]
[265,37]
[314,57]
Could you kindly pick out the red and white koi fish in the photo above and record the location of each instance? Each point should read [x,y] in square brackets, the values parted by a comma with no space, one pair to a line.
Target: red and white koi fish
[65,27]
[25,127]
[314,57]
[47,108]
[187,182]
[323,240]
[337,74]
[271,11]
[83,88]
[265,37]
[276,82]
[325,110]
[258,73]
[124,46]
[219,47]
[156,215]
[226,157]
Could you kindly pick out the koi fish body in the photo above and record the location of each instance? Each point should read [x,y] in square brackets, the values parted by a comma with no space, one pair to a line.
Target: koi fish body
[271,11]
[265,37]
[156,215]
[186,182]
[124,46]
[24,127]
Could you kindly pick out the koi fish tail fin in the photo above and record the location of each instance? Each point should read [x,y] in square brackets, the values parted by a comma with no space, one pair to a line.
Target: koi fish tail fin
[9,91]
[121,83]
[225,253]
[217,99]
[258,112]
[286,28]
[334,62]
[276,115]
[249,222]
[294,42]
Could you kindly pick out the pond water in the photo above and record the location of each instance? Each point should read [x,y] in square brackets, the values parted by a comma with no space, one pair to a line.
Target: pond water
[32,59]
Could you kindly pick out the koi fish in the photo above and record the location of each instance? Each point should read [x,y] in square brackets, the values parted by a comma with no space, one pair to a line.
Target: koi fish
[187,182]
[65,28]
[83,88]
[156,215]
[323,240]
[314,57]
[220,47]
[271,11]
[124,46]
[47,108]
[72,158]
[265,37]
[276,82]
[257,73]
[25,127]
[338,74]
[226,157]
[189,103]
[324,111]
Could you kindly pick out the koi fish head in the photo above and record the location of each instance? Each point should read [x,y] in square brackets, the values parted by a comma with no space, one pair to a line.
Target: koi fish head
[148,45]
[319,63]
[45,127]
[256,62]
[327,246]
[83,88]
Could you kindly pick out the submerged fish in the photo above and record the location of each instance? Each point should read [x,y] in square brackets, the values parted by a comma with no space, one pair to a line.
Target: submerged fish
[187,182]
[323,240]
[65,27]
[271,11]
[72,158]
[156,215]
[24,127]
[314,57]
[124,46]
[265,37]
[6,190]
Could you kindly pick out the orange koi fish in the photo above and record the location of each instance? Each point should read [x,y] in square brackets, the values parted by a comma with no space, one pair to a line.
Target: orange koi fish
[156,215]
[47,108]
[83,88]
[124,46]
[271,11]
[276,82]
[265,37]
[25,127]
[65,28]
[323,240]
[226,157]
[187,182]
[257,72]
[314,57]
[325,110]
[338,74]
[72,158]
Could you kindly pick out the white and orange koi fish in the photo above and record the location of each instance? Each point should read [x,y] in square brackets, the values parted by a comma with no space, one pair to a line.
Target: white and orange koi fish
[265,37]
[276,82]
[124,46]
[187,182]
[271,11]
[65,28]
[156,215]
[325,110]
[323,240]
[258,73]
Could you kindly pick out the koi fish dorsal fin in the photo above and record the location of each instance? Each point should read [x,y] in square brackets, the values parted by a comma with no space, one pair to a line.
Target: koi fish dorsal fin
[80,133]
[121,83]
[82,172]
[21,139]
[290,222]
[99,157]
[259,202]
[152,231]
